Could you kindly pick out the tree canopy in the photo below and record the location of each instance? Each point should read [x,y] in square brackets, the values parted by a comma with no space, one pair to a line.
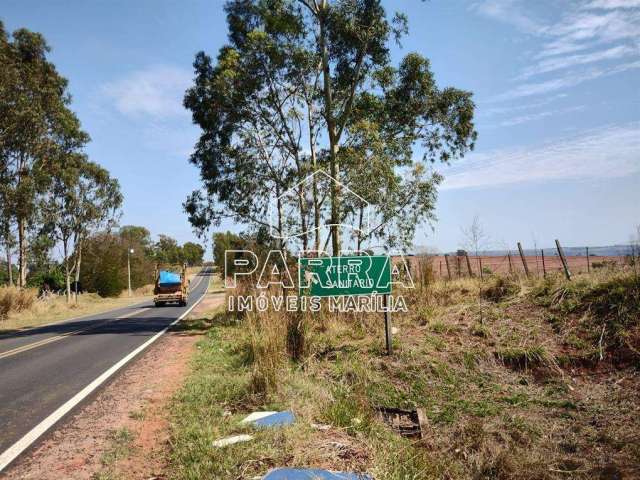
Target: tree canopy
[308,85]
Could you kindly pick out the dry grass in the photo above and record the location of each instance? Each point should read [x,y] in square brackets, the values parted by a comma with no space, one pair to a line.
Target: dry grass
[14,300]
[491,375]
[27,310]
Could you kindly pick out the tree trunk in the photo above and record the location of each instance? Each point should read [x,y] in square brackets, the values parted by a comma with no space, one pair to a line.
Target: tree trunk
[9,265]
[7,243]
[280,226]
[67,272]
[22,253]
[77,268]
[331,127]
[314,163]
[303,220]
[360,220]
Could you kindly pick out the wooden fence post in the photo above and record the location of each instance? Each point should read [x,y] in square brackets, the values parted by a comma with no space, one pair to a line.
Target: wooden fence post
[458,266]
[563,259]
[480,267]
[588,265]
[468,265]
[446,260]
[510,266]
[524,260]
[544,268]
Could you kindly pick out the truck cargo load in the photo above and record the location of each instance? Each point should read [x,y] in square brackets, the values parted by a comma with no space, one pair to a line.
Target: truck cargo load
[171,287]
[168,279]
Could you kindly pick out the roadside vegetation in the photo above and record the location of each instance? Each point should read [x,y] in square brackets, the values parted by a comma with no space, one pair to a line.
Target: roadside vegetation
[518,379]
[24,309]
[59,210]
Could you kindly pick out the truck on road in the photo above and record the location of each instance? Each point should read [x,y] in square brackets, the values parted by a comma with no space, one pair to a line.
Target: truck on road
[171,285]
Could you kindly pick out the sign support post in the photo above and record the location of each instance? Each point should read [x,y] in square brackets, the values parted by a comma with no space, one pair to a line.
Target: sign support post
[387,326]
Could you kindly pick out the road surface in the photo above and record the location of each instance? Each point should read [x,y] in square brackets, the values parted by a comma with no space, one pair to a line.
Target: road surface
[46,371]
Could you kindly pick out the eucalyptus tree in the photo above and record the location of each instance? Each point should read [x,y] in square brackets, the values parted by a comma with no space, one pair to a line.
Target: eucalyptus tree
[249,106]
[321,69]
[82,198]
[35,123]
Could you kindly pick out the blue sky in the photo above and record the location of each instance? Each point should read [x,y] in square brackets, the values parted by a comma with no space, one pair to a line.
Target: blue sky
[557,87]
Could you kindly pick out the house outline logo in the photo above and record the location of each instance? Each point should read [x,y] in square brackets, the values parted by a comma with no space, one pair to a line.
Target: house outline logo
[293,191]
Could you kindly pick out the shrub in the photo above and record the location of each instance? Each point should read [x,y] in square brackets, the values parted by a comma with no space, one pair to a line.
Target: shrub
[297,326]
[500,288]
[265,350]
[523,357]
[13,299]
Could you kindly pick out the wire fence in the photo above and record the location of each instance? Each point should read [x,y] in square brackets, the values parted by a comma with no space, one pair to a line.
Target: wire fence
[541,263]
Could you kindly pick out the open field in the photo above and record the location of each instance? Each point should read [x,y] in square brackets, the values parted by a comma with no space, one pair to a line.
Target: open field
[503,265]
[518,379]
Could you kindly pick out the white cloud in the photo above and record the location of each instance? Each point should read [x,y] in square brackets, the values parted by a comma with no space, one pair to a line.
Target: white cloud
[586,36]
[156,91]
[494,111]
[604,153]
[581,29]
[507,11]
[570,80]
[510,122]
[558,63]
[610,4]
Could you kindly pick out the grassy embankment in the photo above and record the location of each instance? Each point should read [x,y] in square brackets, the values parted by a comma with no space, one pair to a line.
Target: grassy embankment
[518,379]
[23,309]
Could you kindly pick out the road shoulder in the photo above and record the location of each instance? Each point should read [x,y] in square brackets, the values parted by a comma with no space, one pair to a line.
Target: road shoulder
[124,428]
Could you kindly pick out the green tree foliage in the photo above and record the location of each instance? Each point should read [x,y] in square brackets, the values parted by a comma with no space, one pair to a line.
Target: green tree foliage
[48,188]
[259,242]
[36,126]
[192,253]
[81,197]
[105,258]
[105,267]
[167,250]
[308,85]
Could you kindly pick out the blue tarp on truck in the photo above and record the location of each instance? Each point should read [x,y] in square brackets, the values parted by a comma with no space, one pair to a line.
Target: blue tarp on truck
[167,279]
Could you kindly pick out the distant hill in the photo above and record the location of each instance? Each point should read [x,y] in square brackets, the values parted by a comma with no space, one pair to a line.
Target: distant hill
[605,251]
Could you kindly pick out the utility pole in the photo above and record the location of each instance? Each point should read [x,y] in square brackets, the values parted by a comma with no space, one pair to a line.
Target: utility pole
[129,252]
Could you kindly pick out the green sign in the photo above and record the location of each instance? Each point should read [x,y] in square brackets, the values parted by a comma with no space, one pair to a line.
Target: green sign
[336,276]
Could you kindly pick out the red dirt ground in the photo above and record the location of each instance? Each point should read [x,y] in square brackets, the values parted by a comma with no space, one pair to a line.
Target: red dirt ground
[136,400]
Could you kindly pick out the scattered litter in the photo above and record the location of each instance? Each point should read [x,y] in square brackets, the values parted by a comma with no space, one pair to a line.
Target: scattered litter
[394,330]
[320,426]
[256,416]
[408,423]
[270,419]
[223,442]
[313,474]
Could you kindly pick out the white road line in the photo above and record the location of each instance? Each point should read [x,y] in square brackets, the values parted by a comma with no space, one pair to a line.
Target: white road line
[76,319]
[55,338]
[21,445]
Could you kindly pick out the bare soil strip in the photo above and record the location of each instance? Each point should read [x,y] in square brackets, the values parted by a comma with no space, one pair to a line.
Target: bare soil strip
[123,431]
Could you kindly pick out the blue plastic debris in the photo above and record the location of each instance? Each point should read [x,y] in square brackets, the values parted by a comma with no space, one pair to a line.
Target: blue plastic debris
[168,278]
[270,419]
[313,474]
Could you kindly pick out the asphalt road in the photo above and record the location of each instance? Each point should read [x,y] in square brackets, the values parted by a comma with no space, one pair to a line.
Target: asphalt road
[43,368]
